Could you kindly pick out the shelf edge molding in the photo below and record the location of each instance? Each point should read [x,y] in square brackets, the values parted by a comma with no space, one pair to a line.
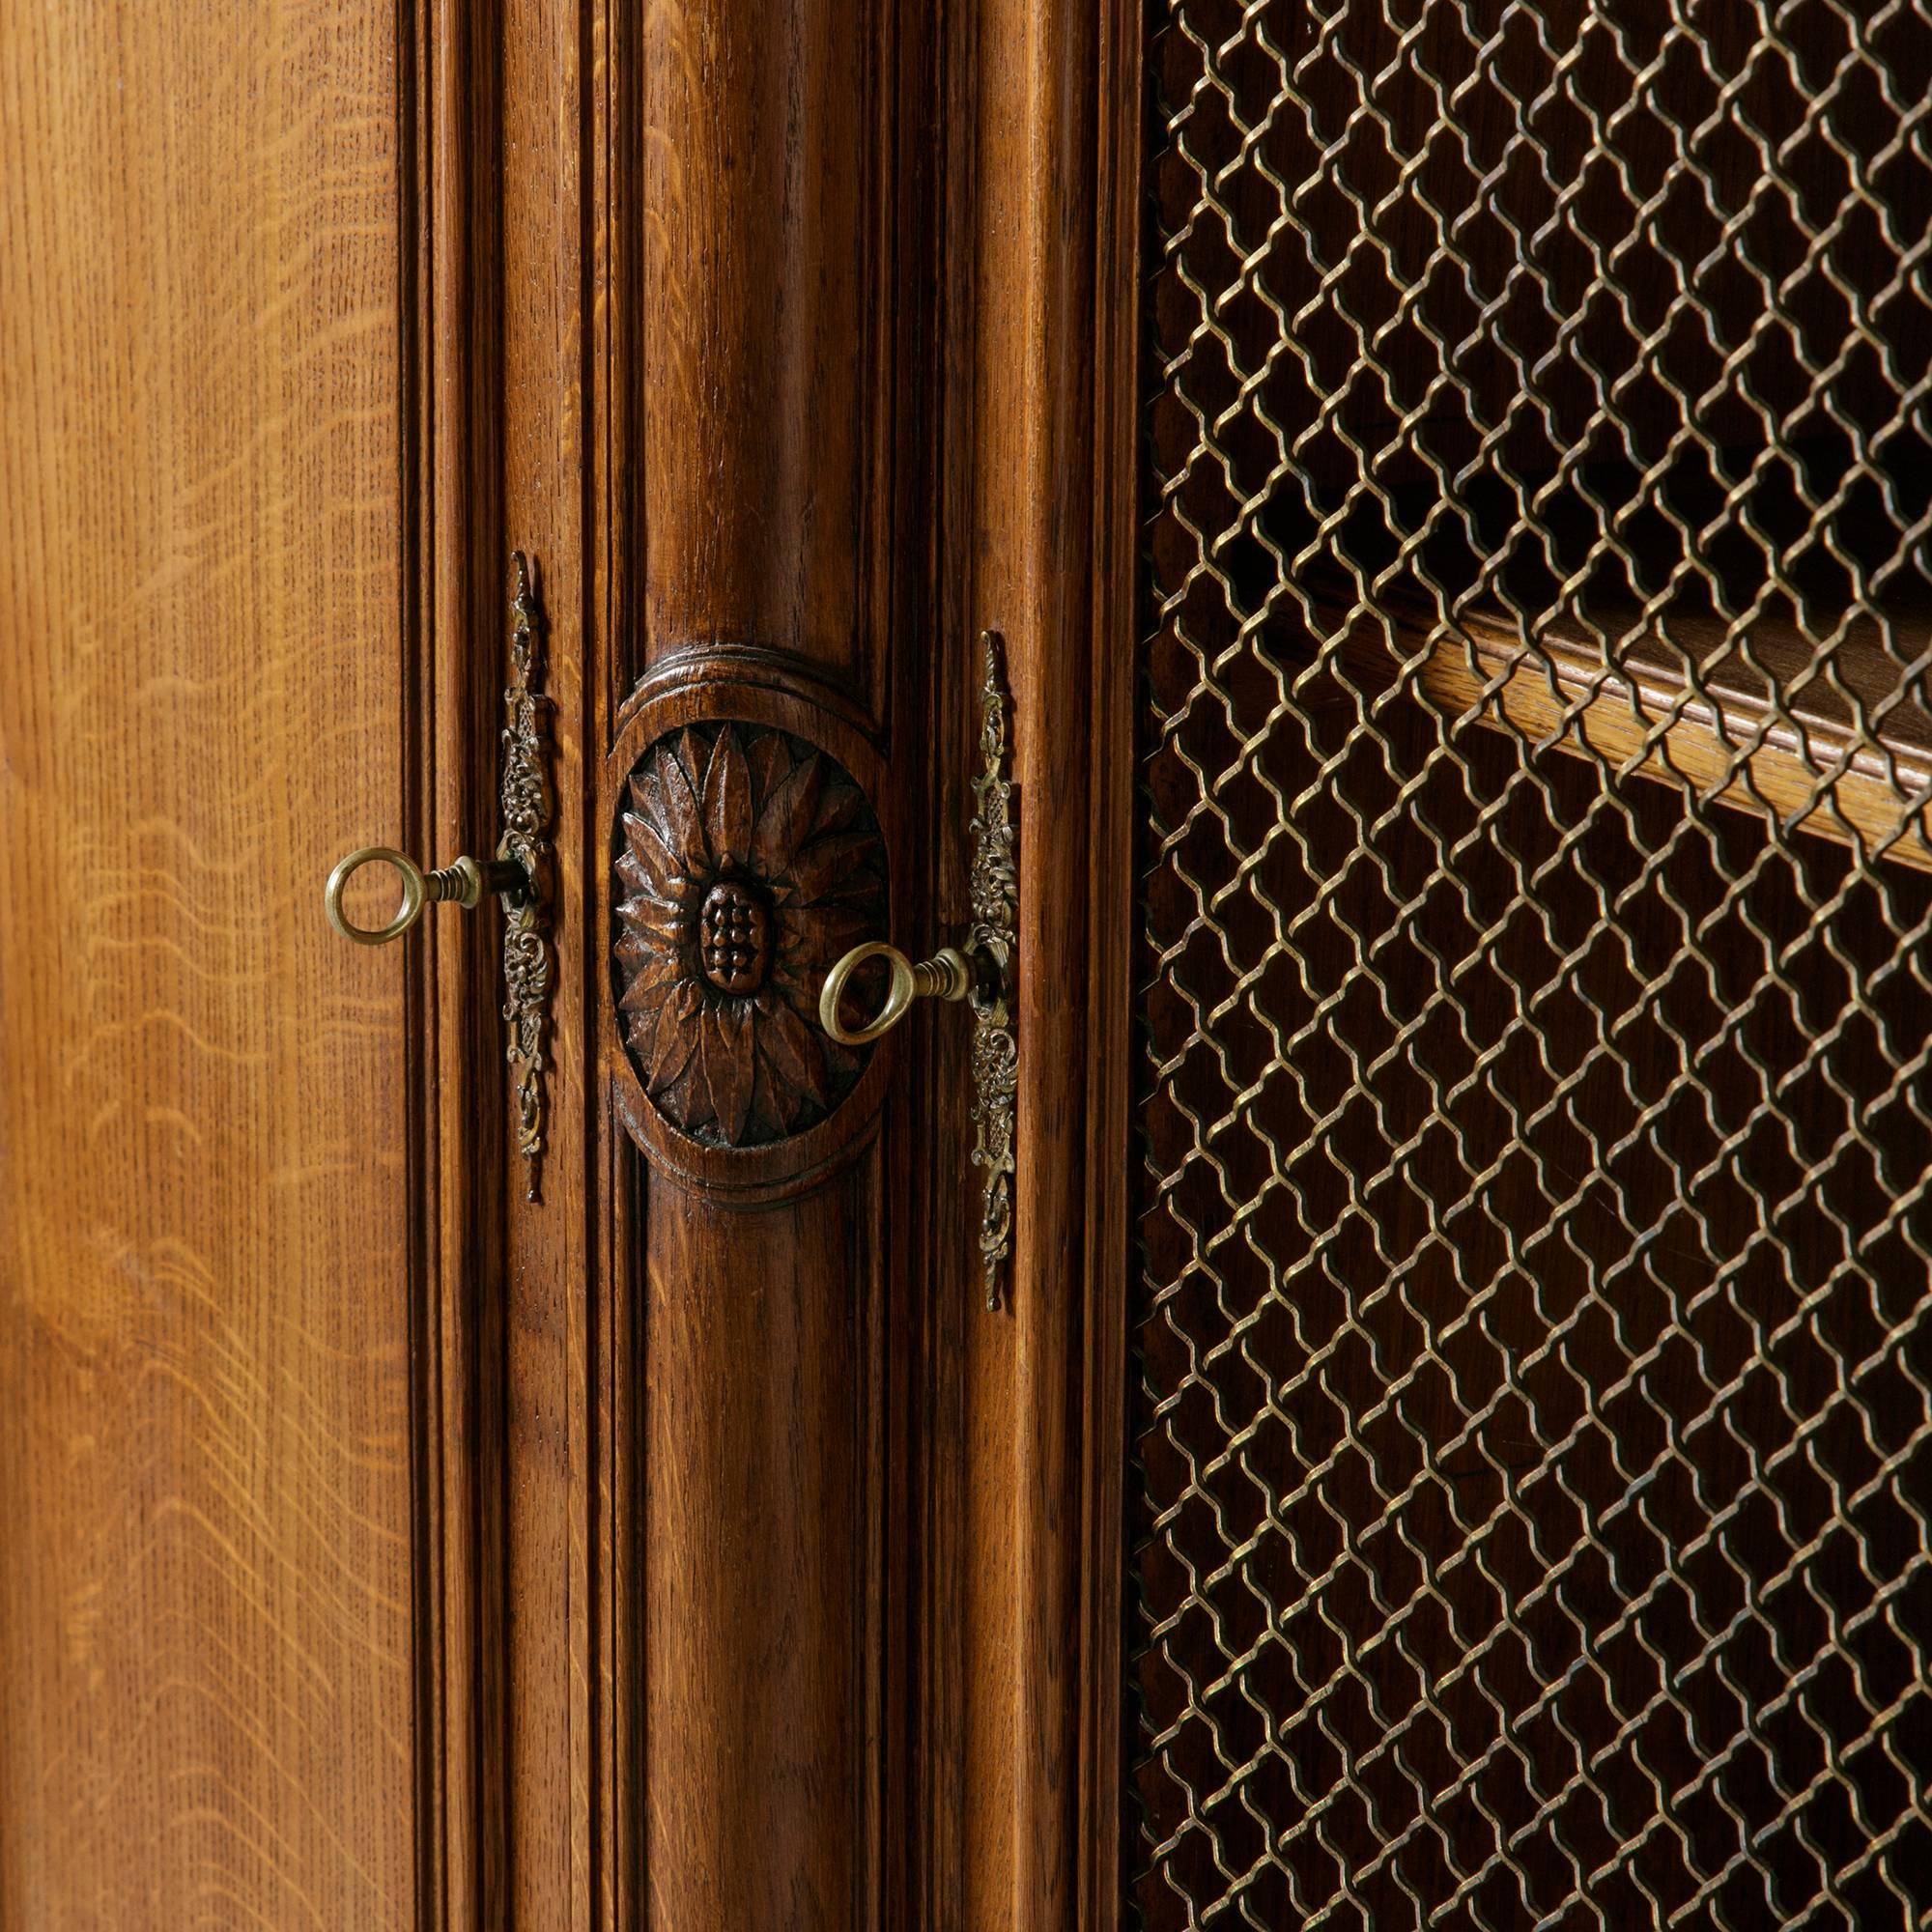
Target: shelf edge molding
[1751,752]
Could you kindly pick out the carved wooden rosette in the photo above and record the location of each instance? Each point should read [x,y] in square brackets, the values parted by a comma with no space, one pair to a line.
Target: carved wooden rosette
[747,863]
[746,857]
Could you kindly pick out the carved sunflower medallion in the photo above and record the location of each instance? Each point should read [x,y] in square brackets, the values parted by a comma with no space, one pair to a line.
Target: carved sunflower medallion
[747,863]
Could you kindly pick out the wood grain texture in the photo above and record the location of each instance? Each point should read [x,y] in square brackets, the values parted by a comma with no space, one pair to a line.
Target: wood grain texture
[760,1397]
[760,410]
[767,440]
[752,1280]
[1841,751]
[455,626]
[828,1521]
[1049,109]
[547,1478]
[205,1326]
[750,863]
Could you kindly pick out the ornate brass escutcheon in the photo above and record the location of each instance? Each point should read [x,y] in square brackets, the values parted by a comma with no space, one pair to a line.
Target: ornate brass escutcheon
[518,874]
[978,972]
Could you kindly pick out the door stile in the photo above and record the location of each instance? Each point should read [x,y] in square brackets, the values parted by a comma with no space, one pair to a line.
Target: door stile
[555,1692]
[454,631]
[1053,232]
[1121,225]
[757,284]
[976,412]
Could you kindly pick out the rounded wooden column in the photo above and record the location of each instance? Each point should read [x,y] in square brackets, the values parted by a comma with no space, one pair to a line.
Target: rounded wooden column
[763,403]
[767,532]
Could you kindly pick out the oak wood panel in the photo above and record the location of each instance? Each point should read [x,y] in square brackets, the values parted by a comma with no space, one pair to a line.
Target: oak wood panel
[206,1473]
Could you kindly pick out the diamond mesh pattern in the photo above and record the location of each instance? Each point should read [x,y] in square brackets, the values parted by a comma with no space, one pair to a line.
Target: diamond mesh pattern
[1533,1419]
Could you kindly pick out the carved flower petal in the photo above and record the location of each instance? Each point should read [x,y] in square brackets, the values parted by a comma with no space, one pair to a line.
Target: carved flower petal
[641,1031]
[775,1099]
[659,859]
[652,986]
[727,803]
[787,817]
[675,1040]
[814,936]
[642,883]
[841,809]
[791,1048]
[769,761]
[647,797]
[686,1098]
[631,869]
[683,819]
[833,867]
[781,1101]
[659,922]
[727,1066]
[639,949]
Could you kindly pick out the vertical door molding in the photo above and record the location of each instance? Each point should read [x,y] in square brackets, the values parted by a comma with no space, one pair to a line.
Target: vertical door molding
[453,625]
[1049,144]
[756,645]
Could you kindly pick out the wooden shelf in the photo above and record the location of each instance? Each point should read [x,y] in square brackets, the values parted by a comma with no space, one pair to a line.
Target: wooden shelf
[1723,734]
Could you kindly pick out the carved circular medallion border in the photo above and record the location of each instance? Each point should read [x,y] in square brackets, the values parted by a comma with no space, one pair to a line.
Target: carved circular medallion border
[747,861]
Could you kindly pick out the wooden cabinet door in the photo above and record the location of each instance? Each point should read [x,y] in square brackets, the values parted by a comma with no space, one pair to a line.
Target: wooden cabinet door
[1527,1457]
[230,1182]
[681,1540]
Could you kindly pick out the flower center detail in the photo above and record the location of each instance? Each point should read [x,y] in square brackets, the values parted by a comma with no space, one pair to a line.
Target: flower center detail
[735,938]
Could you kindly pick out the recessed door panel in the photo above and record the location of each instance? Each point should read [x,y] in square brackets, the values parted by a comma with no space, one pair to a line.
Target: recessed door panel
[208,1605]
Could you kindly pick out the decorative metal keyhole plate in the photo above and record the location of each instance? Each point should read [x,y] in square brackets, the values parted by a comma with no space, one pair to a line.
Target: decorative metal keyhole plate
[747,863]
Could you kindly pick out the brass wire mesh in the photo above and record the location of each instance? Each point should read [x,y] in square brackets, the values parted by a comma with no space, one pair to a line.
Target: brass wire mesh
[1533,1369]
